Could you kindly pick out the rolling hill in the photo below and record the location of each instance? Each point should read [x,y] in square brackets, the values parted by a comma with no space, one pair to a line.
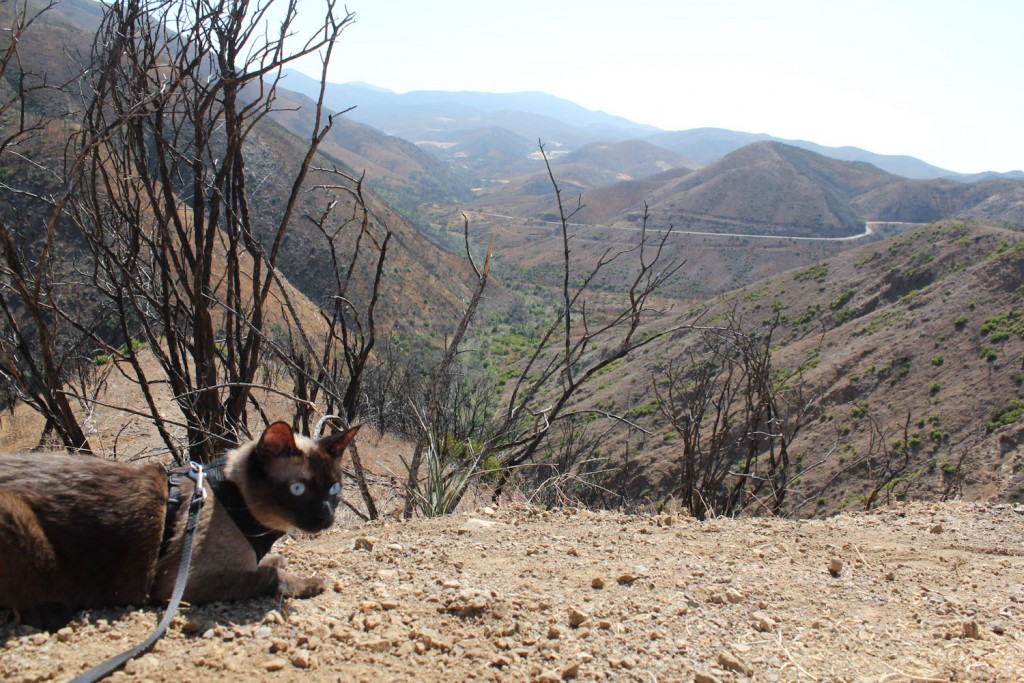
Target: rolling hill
[765,188]
[912,347]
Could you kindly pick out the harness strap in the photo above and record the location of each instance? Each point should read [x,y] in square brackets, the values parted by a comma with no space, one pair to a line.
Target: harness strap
[117,661]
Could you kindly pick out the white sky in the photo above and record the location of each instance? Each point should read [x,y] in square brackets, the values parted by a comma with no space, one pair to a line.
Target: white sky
[940,80]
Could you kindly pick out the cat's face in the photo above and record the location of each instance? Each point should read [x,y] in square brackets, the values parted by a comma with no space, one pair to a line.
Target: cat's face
[293,481]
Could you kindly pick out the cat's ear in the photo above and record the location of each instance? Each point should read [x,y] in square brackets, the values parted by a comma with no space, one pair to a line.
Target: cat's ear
[335,444]
[276,442]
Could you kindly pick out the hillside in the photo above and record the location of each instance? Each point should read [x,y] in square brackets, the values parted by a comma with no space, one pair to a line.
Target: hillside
[922,593]
[775,207]
[916,339]
[423,284]
[394,168]
[765,187]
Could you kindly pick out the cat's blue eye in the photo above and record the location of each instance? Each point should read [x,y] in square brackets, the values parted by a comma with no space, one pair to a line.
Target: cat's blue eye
[297,488]
[335,488]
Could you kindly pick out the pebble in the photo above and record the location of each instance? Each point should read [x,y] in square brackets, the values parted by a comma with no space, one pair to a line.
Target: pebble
[365,543]
[597,582]
[275,664]
[728,660]
[762,622]
[577,618]
[302,659]
[971,630]
[376,645]
[474,524]
[835,566]
[705,677]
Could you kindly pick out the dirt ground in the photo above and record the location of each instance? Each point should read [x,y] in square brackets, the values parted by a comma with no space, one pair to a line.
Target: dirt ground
[916,593]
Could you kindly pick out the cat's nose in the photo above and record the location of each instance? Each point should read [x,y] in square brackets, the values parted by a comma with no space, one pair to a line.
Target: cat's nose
[326,515]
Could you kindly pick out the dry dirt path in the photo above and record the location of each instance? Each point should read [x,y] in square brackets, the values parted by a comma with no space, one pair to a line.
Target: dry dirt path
[924,593]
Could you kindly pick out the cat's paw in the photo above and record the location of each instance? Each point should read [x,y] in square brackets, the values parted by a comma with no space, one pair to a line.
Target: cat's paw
[276,561]
[292,586]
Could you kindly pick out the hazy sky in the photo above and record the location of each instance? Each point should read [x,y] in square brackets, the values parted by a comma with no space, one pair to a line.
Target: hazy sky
[939,80]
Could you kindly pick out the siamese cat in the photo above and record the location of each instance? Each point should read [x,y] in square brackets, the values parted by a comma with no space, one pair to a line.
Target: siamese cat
[79,531]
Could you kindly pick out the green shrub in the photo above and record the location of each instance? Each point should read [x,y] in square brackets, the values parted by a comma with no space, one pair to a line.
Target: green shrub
[1008,414]
[816,273]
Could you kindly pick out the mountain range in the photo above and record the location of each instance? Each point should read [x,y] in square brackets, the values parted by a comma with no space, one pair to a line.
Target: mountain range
[440,116]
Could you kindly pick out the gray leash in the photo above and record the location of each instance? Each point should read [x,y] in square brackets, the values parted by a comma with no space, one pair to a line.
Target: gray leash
[108,667]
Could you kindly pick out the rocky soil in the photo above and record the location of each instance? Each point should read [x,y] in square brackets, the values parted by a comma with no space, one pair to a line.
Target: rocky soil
[912,593]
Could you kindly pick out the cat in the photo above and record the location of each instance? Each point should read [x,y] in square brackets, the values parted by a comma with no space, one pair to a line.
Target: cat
[81,532]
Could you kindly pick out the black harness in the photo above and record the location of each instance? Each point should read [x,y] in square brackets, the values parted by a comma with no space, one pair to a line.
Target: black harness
[230,498]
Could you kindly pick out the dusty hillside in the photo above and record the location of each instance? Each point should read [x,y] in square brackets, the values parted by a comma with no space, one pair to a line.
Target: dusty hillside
[923,593]
[925,325]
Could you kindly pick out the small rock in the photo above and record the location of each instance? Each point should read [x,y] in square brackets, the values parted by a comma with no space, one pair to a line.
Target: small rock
[39,638]
[626,579]
[376,645]
[64,635]
[728,660]
[275,664]
[705,677]
[890,576]
[554,633]
[597,582]
[365,543]
[571,671]
[734,596]
[762,622]
[835,566]
[198,625]
[302,659]
[576,618]
[937,529]
[971,630]
[473,524]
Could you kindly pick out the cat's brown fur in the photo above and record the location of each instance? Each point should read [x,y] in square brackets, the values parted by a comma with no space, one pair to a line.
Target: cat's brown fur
[79,531]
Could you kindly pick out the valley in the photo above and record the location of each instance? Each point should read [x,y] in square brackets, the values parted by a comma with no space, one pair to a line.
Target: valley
[851,269]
